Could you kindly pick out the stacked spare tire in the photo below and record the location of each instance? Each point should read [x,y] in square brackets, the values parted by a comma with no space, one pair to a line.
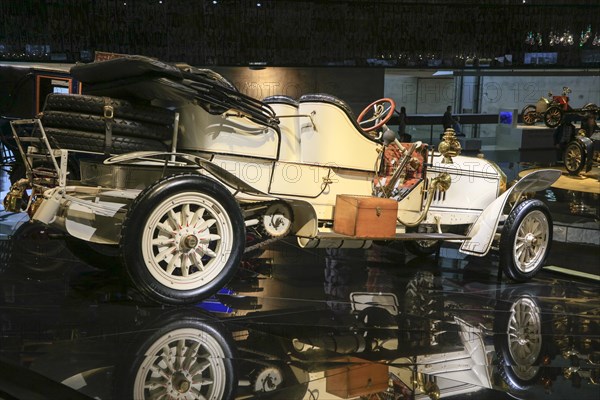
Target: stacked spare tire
[105,125]
[101,121]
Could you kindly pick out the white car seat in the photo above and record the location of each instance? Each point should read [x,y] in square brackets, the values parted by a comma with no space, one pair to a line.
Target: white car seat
[286,109]
[336,137]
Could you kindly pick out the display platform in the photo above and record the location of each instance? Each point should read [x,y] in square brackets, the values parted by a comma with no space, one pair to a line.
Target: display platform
[588,182]
[524,137]
[303,324]
[526,143]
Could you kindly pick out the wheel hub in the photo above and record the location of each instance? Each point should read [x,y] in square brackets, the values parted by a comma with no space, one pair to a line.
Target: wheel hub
[180,383]
[187,239]
[522,336]
[530,240]
[190,242]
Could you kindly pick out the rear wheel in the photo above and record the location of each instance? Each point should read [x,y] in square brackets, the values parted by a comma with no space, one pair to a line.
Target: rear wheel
[183,359]
[525,240]
[529,115]
[574,157]
[182,239]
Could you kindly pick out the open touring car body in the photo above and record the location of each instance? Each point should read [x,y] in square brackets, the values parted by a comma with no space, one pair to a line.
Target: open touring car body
[278,167]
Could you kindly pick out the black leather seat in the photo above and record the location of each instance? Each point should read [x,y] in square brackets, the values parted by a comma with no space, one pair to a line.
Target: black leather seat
[327,98]
[279,99]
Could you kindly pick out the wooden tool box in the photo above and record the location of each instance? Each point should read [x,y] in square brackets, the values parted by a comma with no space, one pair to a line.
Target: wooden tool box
[358,379]
[365,216]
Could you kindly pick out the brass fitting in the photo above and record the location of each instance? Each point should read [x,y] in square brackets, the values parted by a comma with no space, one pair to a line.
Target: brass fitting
[442,183]
[35,204]
[449,146]
[14,200]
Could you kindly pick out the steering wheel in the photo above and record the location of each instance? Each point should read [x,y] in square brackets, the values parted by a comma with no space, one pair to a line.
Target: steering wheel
[382,110]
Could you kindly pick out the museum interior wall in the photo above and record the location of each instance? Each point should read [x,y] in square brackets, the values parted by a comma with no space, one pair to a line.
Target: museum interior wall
[481,57]
[423,92]
[396,33]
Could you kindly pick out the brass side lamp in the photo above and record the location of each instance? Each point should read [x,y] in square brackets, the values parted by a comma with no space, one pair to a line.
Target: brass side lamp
[449,146]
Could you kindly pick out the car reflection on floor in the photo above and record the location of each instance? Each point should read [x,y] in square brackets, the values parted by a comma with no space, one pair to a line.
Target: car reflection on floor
[300,324]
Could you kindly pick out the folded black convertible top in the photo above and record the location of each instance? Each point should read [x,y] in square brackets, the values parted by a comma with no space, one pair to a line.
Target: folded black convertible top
[146,79]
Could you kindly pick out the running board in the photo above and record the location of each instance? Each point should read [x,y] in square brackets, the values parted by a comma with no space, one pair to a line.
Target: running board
[399,236]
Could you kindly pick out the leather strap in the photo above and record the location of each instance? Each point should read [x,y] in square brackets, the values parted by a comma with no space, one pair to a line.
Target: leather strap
[108,117]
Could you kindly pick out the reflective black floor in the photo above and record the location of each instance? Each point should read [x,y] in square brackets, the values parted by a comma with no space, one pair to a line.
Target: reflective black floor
[299,324]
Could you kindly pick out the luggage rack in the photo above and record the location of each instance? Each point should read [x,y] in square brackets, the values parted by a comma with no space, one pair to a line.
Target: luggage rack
[24,132]
[57,157]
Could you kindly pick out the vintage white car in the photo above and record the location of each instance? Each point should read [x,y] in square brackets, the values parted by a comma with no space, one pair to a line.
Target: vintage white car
[179,211]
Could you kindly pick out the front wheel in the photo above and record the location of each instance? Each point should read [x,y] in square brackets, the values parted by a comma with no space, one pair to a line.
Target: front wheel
[525,240]
[422,247]
[574,157]
[182,239]
[553,116]
[519,341]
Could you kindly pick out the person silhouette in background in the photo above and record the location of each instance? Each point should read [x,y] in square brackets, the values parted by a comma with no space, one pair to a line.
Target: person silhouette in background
[448,120]
[402,121]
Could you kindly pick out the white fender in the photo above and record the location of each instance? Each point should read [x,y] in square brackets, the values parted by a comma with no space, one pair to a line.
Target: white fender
[483,229]
[305,216]
[94,222]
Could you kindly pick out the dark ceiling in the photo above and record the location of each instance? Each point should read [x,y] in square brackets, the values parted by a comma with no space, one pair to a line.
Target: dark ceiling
[301,32]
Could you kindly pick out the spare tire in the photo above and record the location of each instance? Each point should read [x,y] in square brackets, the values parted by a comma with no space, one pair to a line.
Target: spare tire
[96,123]
[121,108]
[94,142]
